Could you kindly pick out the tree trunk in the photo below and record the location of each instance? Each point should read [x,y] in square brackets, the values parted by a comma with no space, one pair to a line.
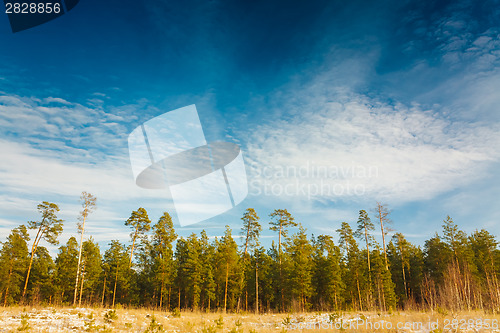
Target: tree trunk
[79,262]
[103,290]
[256,287]
[403,269]
[161,289]
[367,251]
[132,250]
[81,287]
[379,207]
[33,249]
[225,291]
[359,292]
[8,280]
[114,289]
[281,274]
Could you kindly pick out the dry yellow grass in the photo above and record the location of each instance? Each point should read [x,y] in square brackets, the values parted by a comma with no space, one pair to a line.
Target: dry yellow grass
[50,319]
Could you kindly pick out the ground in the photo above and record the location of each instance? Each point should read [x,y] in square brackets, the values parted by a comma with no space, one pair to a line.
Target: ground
[50,319]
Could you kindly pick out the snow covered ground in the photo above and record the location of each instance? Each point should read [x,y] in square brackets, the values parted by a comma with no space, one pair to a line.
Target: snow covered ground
[49,319]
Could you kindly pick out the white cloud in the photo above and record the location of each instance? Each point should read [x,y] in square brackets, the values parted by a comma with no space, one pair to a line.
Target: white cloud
[56,100]
[365,148]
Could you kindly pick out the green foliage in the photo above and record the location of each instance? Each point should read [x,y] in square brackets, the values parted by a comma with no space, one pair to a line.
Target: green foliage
[110,316]
[13,264]
[441,311]
[25,326]
[49,226]
[90,325]
[251,229]
[281,220]
[333,317]
[66,264]
[208,329]
[116,265]
[175,313]
[452,271]
[154,326]
[219,322]
[287,320]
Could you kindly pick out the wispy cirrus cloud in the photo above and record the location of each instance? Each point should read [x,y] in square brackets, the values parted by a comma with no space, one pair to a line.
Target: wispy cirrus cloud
[364,148]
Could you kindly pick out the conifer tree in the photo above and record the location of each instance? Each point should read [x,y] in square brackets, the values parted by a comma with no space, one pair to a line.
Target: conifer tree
[327,276]
[437,257]
[116,263]
[207,266]
[300,252]
[13,264]
[250,231]
[92,264]
[486,255]
[66,262]
[163,236]
[383,285]
[193,271]
[88,204]
[228,267]
[48,228]
[181,253]
[352,266]
[382,213]
[281,220]
[399,254]
[263,279]
[42,284]
[140,223]
[365,225]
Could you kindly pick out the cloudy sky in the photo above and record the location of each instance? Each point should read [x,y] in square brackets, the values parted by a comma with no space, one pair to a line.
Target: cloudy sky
[335,104]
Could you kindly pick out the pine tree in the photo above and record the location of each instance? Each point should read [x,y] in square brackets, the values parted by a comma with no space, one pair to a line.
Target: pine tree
[484,247]
[327,276]
[88,204]
[399,254]
[140,223]
[13,264]
[49,229]
[207,266]
[193,271]
[300,252]
[228,268]
[382,213]
[365,225]
[263,279]
[282,221]
[66,262]
[351,266]
[460,284]
[116,264]
[250,231]
[383,285]
[146,270]
[42,284]
[163,236]
[92,264]
[181,270]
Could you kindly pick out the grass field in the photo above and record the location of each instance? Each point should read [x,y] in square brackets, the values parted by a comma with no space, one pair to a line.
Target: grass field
[18,319]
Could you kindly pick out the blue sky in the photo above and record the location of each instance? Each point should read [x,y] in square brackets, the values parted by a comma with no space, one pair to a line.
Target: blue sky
[407,90]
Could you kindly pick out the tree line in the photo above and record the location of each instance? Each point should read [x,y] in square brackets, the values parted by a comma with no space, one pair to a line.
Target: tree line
[297,272]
